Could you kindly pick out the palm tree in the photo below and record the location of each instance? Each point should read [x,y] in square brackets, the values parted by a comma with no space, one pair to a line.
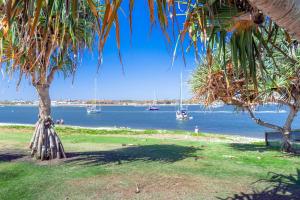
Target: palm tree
[286,13]
[239,32]
[209,23]
[278,82]
[40,38]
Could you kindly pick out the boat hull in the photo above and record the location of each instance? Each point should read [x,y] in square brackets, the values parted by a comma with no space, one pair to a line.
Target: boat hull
[153,108]
[182,115]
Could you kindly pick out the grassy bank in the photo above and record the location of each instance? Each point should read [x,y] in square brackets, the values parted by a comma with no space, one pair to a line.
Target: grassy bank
[112,164]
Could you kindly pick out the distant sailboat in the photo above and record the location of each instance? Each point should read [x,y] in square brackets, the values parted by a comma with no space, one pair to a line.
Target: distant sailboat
[154,106]
[94,109]
[181,113]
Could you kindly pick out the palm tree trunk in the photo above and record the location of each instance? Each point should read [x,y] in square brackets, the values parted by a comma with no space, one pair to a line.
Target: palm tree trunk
[45,143]
[285,131]
[286,144]
[286,13]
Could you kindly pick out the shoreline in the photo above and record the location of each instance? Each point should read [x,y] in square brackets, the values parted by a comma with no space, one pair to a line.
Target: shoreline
[73,126]
[85,105]
[161,132]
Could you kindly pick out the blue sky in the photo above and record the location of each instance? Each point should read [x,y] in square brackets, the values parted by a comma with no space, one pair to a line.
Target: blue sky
[147,63]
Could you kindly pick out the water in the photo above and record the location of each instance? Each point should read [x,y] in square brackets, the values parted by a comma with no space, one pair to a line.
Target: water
[224,120]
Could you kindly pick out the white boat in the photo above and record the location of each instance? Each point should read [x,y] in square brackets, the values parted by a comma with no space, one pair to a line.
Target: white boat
[94,109]
[182,113]
[154,106]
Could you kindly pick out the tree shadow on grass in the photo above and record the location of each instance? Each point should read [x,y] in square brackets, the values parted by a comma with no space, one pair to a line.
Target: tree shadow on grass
[281,187]
[7,157]
[253,147]
[262,148]
[160,153]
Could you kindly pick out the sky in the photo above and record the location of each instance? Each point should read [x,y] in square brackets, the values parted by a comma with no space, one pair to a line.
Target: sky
[147,64]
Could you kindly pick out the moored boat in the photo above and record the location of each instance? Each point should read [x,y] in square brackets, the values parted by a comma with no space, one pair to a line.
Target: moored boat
[182,113]
[94,109]
[153,108]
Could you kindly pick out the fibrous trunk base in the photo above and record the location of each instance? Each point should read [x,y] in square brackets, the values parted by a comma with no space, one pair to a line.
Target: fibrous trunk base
[287,145]
[45,143]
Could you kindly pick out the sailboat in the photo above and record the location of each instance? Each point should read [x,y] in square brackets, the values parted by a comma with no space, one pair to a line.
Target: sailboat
[94,109]
[181,113]
[154,106]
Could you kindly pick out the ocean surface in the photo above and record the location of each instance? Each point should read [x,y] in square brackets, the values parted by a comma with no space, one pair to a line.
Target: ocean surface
[223,120]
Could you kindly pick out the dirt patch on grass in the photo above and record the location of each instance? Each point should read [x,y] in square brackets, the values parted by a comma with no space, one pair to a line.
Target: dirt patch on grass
[16,130]
[157,186]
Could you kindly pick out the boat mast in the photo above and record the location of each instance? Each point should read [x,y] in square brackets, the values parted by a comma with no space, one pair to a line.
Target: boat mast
[95,92]
[180,90]
[155,98]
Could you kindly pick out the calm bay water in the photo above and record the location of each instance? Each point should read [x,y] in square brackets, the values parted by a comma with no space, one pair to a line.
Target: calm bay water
[224,120]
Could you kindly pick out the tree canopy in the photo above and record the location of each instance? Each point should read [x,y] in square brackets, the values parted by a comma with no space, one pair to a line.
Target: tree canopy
[278,82]
[37,38]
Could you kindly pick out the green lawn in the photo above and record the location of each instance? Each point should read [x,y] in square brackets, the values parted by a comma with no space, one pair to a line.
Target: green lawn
[112,164]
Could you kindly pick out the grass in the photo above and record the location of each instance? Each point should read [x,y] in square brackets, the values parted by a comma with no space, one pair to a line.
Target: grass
[111,164]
